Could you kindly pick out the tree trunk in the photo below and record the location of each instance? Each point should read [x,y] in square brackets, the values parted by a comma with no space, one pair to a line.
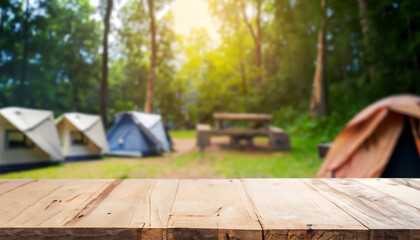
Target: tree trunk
[163,110]
[413,53]
[104,81]
[1,23]
[258,60]
[148,104]
[364,23]
[138,93]
[318,105]
[21,89]
[241,57]
[256,37]
[187,116]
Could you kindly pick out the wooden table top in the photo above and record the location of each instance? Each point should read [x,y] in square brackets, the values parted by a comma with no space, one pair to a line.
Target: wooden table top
[211,209]
[242,116]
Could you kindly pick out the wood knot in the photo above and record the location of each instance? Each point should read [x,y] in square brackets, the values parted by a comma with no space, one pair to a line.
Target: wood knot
[309,228]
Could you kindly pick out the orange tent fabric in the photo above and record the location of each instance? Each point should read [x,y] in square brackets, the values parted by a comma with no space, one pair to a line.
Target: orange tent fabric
[364,146]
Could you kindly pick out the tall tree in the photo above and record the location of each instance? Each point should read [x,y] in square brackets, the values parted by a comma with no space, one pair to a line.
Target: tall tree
[25,28]
[241,60]
[318,105]
[256,34]
[129,74]
[148,104]
[104,80]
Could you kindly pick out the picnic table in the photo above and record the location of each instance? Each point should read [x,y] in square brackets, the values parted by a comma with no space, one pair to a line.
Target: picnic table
[278,138]
[210,209]
[257,119]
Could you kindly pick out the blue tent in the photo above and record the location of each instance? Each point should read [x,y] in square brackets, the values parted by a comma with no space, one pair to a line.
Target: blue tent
[138,134]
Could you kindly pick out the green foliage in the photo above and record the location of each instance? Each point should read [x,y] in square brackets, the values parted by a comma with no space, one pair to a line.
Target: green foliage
[60,68]
[183,134]
[50,58]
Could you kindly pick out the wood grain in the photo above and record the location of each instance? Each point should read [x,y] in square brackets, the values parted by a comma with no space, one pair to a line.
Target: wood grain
[71,233]
[15,203]
[413,183]
[407,194]
[210,209]
[7,186]
[385,216]
[61,205]
[299,211]
[213,208]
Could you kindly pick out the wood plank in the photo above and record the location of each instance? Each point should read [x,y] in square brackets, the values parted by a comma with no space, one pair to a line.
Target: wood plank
[413,183]
[11,185]
[70,233]
[117,207]
[392,188]
[61,205]
[16,202]
[213,209]
[290,209]
[385,216]
[210,209]
[142,204]
[242,116]
[162,200]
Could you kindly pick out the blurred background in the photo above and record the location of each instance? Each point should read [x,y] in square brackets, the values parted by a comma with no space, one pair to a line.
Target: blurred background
[311,64]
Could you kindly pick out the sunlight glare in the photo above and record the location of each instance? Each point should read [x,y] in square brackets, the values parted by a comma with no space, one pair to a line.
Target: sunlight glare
[189,14]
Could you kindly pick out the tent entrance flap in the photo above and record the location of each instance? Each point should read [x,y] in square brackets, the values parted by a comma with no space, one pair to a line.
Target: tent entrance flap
[405,160]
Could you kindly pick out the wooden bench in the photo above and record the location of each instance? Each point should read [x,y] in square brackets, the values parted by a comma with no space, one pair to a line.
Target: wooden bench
[210,209]
[278,139]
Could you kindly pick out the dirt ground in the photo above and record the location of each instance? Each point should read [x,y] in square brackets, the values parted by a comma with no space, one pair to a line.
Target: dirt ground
[182,146]
[218,145]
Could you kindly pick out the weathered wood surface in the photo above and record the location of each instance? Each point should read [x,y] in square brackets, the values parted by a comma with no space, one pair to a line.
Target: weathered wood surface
[210,209]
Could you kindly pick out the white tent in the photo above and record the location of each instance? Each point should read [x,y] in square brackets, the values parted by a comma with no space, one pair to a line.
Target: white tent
[28,136]
[82,136]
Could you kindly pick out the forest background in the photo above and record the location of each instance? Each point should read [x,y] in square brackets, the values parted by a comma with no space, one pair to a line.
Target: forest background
[312,64]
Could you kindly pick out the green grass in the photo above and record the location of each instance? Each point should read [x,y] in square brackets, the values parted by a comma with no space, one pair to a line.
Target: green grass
[182,134]
[302,161]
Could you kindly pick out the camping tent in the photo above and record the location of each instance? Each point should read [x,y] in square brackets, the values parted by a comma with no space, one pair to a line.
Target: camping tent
[383,140]
[82,136]
[138,134]
[28,137]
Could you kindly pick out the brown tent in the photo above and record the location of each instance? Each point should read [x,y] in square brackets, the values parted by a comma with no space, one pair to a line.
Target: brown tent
[367,146]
